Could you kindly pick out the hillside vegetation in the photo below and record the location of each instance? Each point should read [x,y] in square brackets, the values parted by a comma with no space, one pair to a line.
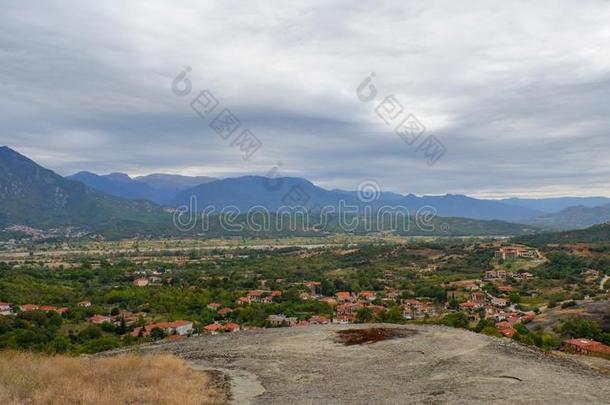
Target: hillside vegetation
[593,234]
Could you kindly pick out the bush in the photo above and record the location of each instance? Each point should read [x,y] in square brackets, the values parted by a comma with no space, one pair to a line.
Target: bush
[568,304]
[491,331]
[456,320]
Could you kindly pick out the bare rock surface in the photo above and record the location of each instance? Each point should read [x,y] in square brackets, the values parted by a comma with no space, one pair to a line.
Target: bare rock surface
[427,365]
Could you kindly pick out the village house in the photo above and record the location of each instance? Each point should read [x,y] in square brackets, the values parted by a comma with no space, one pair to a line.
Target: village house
[506,329]
[181,327]
[469,306]
[84,304]
[231,327]
[391,294]
[314,287]
[224,311]
[5,308]
[586,346]
[129,318]
[213,329]
[514,252]
[255,295]
[368,295]
[319,320]
[267,296]
[50,308]
[499,302]
[328,300]
[28,307]
[347,313]
[343,296]
[99,319]
[243,301]
[214,306]
[140,282]
[528,316]
[477,297]
[281,320]
[495,274]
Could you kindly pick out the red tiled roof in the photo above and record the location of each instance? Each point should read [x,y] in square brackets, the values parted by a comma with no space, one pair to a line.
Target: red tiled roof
[225,311]
[231,326]
[589,345]
[504,325]
[318,319]
[179,323]
[99,318]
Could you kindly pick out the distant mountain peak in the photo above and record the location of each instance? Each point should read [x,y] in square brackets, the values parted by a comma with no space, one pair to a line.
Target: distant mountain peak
[118,176]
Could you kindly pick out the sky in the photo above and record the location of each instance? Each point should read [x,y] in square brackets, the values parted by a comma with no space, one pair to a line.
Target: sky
[516,92]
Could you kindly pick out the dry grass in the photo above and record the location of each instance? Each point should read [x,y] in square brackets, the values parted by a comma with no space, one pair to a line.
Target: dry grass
[128,379]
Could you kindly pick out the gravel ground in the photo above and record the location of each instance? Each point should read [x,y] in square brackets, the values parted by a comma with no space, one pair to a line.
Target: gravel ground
[433,365]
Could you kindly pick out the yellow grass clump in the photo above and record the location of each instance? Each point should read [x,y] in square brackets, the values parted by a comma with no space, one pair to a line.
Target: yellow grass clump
[27,378]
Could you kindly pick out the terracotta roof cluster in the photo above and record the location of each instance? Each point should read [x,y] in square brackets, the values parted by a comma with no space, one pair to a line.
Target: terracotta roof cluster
[217,327]
[168,327]
[588,345]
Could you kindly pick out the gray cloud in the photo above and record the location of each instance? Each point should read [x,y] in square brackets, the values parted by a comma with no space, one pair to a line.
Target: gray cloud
[517,92]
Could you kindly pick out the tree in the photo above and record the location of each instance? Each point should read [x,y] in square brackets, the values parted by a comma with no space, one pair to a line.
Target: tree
[456,320]
[491,331]
[393,315]
[514,297]
[364,315]
[157,333]
[454,304]
[122,328]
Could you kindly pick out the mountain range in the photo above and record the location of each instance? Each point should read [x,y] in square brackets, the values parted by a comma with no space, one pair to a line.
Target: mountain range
[33,196]
[249,191]
[158,188]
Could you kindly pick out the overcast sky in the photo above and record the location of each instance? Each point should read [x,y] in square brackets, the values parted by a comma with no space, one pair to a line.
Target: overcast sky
[518,93]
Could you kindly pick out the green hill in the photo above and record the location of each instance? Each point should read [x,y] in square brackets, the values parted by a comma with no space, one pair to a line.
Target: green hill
[593,234]
[34,196]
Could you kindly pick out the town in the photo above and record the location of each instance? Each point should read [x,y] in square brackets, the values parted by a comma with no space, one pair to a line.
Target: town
[488,286]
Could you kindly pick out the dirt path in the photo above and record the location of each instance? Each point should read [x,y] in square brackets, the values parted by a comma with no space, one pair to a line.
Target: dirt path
[245,386]
[429,365]
[603,281]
